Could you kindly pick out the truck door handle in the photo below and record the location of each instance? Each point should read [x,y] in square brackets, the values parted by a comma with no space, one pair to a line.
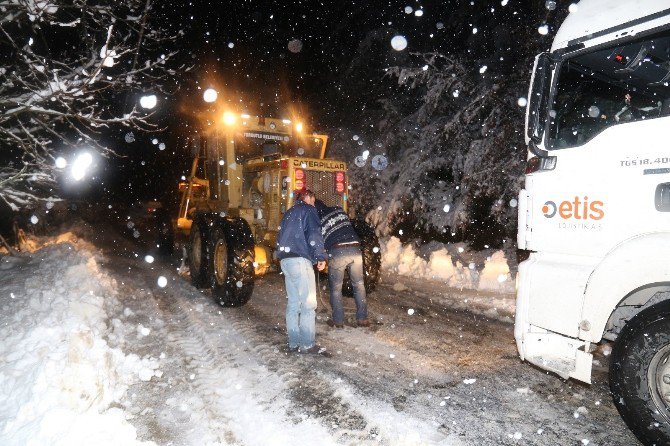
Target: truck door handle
[662,197]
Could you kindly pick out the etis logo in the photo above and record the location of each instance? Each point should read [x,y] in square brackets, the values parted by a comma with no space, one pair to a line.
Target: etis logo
[579,209]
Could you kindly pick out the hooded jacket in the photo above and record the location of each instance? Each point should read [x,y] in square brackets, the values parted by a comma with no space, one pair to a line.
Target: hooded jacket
[300,234]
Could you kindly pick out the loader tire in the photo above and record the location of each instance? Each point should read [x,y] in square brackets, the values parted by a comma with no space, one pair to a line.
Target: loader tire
[640,374]
[372,258]
[232,262]
[198,253]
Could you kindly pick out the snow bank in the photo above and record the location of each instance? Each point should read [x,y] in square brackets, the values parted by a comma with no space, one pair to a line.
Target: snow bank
[61,383]
[475,271]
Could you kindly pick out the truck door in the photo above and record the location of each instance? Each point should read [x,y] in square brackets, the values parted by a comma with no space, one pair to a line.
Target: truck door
[605,171]
[608,131]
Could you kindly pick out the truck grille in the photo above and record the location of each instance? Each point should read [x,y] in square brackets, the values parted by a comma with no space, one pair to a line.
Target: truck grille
[323,186]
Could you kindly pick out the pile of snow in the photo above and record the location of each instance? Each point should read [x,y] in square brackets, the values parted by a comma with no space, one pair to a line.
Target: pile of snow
[464,271]
[61,383]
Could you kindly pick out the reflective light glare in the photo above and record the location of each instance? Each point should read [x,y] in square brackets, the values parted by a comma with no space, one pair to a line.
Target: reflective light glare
[81,165]
[210,95]
[245,116]
[298,127]
[148,101]
[286,121]
[61,163]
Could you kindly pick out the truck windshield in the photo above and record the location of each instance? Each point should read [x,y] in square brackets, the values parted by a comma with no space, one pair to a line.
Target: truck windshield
[611,86]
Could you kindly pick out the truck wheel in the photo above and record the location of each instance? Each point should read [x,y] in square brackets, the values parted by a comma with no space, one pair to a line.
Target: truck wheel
[232,262]
[640,374]
[372,258]
[198,256]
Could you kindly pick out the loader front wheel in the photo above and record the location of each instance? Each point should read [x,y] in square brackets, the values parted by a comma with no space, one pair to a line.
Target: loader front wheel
[232,262]
[198,254]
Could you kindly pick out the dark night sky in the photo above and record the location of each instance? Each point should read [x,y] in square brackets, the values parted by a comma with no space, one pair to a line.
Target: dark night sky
[260,68]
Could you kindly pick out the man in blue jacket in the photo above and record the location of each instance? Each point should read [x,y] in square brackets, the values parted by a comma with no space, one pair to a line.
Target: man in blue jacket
[344,253]
[300,246]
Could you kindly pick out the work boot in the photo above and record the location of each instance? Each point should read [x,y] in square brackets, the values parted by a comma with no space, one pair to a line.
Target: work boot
[316,349]
[363,323]
[331,323]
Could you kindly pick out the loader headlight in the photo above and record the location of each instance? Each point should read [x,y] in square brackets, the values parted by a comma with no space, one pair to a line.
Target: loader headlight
[229,118]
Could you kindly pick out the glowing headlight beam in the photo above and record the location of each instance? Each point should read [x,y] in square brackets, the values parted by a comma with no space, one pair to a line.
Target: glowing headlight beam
[80,165]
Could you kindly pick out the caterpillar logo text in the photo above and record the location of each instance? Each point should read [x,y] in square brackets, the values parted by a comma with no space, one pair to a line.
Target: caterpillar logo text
[577,209]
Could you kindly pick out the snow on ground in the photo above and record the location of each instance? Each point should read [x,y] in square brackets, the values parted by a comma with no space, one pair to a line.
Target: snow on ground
[59,378]
[440,267]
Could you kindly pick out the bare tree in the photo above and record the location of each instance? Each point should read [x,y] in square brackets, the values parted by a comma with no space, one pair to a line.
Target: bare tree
[70,71]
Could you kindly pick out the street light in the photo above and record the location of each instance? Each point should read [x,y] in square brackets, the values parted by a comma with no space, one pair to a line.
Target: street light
[229,118]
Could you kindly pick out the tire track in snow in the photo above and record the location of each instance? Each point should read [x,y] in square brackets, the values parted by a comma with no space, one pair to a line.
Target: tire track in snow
[221,356]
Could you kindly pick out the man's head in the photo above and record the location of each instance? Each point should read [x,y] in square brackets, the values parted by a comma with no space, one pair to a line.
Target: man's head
[306,196]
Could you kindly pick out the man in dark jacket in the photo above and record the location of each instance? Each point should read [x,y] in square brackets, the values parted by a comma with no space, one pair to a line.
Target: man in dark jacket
[344,253]
[300,246]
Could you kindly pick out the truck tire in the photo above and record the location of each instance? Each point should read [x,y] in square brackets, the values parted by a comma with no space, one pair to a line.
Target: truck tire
[640,374]
[232,262]
[372,258]
[198,253]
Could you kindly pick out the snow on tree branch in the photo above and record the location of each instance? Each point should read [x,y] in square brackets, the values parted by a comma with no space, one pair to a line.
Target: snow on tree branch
[71,69]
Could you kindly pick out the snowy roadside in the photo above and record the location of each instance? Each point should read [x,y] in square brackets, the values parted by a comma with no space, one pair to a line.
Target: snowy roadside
[479,282]
[61,382]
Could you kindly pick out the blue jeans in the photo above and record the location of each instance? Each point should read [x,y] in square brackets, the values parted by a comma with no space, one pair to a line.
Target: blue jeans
[301,291]
[341,259]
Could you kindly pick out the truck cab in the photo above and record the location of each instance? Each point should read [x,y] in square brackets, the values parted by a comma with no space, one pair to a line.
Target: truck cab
[595,210]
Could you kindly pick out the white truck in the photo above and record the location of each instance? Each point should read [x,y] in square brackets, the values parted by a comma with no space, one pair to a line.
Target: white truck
[595,209]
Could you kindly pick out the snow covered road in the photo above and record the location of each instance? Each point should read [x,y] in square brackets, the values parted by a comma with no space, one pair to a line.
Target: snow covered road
[423,374]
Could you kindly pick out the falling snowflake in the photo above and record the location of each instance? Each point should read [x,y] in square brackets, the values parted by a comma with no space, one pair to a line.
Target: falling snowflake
[162,281]
[360,161]
[129,137]
[149,259]
[379,162]
[543,29]
[439,25]
[410,311]
[594,111]
[295,45]
[148,101]
[231,45]
[513,203]
[34,219]
[483,69]
[408,9]
[61,163]
[469,381]
[161,146]
[550,5]
[573,8]
[522,102]
[399,43]
[210,95]
[456,93]
[418,12]
[446,208]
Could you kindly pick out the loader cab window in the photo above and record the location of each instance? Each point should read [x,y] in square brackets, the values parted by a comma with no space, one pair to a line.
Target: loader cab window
[608,87]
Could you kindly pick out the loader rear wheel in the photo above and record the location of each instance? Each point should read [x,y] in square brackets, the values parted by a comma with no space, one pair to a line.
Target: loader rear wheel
[198,254]
[640,374]
[232,262]
[372,258]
